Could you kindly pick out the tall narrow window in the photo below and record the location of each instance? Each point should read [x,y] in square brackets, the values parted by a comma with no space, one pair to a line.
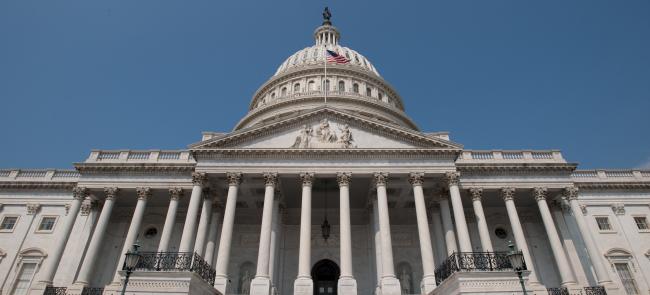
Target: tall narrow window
[312,86]
[355,88]
[284,91]
[341,86]
[368,91]
[296,88]
[641,222]
[623,270]
[24,279]
[326,85]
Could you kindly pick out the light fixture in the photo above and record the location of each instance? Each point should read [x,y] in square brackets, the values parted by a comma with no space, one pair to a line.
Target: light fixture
[325,227]
[518,264]
[131,259]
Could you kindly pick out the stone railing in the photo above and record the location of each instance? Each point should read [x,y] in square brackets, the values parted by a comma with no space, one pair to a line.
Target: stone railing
[50,290]
[133,156]
[39,175]
[514,156]
[610,175]
[92,291]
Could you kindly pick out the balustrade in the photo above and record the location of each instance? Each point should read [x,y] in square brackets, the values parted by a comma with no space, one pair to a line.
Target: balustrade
[595,290]
[557,291]
[50,290]
[472,261]
[176,261]
[92,291]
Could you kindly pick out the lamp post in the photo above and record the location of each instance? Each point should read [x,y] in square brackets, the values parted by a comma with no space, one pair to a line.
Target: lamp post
[131,260]
[517,261]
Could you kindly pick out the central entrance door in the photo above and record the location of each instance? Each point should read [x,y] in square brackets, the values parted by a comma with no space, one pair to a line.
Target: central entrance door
[325,274]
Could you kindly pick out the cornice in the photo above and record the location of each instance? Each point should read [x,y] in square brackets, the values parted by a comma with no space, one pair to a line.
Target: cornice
[515,167]
[446,154]
[130,167]
[613,185]
[37,185]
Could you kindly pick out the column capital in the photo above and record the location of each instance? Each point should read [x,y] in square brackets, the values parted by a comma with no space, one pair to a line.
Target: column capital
[199,178]
[571,193]
[307,178]
[443,193]
[452,178]
[86,206]
[507,193]
[270,178]
[111,192]
[175,193]
[79,192]
[143,193]
[416,178]
[540,193]
[343,178]
[476,192]
[32,208]
[381,178]
[234,178]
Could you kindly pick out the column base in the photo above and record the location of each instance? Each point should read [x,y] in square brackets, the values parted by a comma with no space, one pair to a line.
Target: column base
[221,284]
[261,286]
[347,286]
[38,288]
[390,286]
[76,288]
[427,285]
[303,286]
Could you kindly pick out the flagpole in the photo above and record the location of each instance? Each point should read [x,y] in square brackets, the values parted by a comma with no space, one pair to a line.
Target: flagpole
[326,85]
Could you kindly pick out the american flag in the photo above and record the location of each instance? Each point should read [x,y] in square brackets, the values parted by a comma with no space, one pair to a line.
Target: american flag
[337,58]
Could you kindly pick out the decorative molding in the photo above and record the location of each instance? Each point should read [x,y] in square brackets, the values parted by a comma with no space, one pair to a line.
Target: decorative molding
[618,208]
[380,178]
[343,178]
[613,185]
[199,178]
[570,193]
[416,178]
[175,193]
[540,193]
[452,178]
[508,193]
[32,208]
[270,178]
[234,178]
[86,206]
[143,193]
[67,208]
[477,193]
[307,178]
[324,137]
[111,192]
[79,192]
[583,208]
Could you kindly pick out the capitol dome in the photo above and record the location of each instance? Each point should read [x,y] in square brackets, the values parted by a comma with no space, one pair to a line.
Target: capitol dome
[306,80]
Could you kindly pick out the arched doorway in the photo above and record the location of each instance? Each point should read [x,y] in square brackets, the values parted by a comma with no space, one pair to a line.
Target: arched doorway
[325,274]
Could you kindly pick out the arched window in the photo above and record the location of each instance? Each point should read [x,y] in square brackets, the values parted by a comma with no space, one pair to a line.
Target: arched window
[405,276]
[29,261]
[246,274]
[296,87]
[368,91]
[284,91]
[312,85]
[623,263]
[341,86]
[355,88]
[381,96]
[273,95]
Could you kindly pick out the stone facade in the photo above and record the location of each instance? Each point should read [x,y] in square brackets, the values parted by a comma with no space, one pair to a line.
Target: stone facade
[327,189]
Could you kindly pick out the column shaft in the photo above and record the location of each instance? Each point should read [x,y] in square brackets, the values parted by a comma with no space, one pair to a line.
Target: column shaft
[211,244]
[448,226]
[387,266]
[223,255]
[275,237]
[459,212]
[143,194]
[440,248]
[426,251]
[483,231]
[345,226]
[97,239]
[204,221]
[170,219]
[189,228]
[265,233]
[304,256]
[377,239]
[518,232]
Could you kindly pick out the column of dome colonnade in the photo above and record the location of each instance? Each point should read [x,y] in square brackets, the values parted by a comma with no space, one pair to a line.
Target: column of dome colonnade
[261,284]
[426,251]
[221,281]
[304,285]
[347,284]
[389,284]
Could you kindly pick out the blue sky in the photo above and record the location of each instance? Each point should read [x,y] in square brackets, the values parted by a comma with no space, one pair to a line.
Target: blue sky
[153,74]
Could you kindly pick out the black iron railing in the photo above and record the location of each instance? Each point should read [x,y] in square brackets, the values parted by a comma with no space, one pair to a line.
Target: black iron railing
[92,291]
[472,261]
[49,290]
[595,290]
[176,261]
[557,291]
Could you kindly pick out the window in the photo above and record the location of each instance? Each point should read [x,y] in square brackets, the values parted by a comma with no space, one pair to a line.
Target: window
[296,87]
[312,86]
[381,96]
[341,86]
[24,278]
[641,222]
[8,223]
[355,88]
[624,273]
[368,91]
[603,223]
[326,85]
[47,224]
[284,91]
[150,232]
[273,95]
[501,233]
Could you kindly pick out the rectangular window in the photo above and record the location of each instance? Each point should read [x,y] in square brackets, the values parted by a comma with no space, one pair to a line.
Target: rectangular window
[603,223]
[627,279]
[641,222]
[47,223]
[24,279]
[8,223]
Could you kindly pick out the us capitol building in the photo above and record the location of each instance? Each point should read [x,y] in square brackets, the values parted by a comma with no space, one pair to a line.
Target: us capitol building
[325,186]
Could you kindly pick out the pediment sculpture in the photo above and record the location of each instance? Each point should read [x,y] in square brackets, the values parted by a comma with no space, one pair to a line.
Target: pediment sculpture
[324,137]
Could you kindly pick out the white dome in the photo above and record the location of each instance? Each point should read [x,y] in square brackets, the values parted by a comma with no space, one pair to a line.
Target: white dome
[315,55]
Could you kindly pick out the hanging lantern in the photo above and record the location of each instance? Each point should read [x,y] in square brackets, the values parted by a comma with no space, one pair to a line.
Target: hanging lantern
[325,229]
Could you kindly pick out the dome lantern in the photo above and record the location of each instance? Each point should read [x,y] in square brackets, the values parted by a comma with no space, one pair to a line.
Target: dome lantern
[327,34]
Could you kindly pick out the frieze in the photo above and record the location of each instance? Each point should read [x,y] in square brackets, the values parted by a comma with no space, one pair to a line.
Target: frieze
[324,137]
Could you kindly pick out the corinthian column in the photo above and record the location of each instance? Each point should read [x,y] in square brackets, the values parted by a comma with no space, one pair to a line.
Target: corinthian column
[483,231]
[223,255]
[561,259]
[508,194]
[143,194]
[347,285]
[202,231]
[389,284]
[261,284]
[426,251]
[211,244]
[459,213]
[175,193]
[49,268]
[602,275]
[189,229]
[447,224]
[97,239]
[303,284]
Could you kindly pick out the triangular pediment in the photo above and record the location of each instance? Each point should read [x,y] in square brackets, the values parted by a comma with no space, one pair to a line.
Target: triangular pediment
[326,128]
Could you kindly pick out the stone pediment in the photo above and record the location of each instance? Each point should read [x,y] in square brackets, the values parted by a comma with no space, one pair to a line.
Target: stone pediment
[326,128]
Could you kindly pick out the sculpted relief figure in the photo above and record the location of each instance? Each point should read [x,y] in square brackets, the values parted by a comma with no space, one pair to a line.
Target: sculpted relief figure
[405,281]
[346,137]
[324,137]
[245,283]
[324,133]
[302,141]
